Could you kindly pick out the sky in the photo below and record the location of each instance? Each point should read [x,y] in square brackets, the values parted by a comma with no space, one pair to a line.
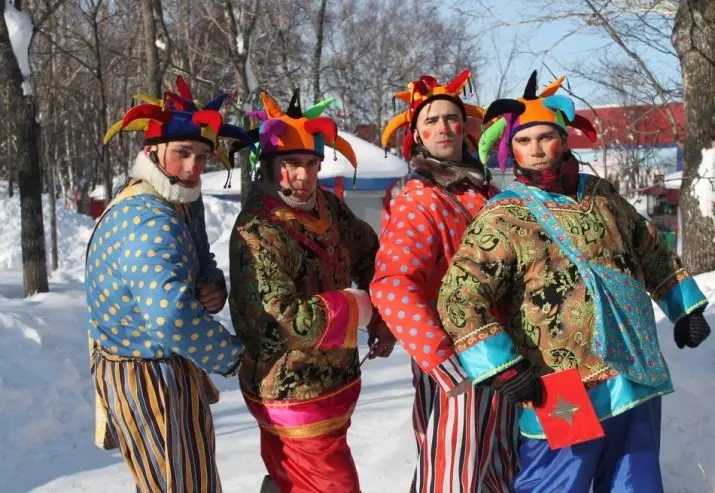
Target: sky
[581,49]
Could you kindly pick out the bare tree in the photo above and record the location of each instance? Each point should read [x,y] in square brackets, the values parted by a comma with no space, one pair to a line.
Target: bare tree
[694,39]
[152,72]
[21,104]
[317,53]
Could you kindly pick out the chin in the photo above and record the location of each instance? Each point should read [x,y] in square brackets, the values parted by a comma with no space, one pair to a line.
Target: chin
[190,184]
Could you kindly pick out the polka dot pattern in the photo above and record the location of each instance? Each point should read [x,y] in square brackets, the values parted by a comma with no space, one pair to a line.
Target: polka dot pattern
[140,289]
[421,233]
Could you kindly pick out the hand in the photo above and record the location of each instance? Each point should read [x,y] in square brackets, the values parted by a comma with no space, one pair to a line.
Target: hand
[691,330]
[519,384]
[211,295]
[380,339]
[461,388]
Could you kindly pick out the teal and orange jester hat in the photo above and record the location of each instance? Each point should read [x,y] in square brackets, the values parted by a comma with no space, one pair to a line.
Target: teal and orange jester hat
[505,117]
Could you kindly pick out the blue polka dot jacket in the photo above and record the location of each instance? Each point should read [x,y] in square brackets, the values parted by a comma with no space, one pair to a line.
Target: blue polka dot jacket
[142,265]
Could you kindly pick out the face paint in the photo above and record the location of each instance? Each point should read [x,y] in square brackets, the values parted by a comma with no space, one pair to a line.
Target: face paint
[284,177]
[458,128]
[518,157]
[554,147]
[426,134]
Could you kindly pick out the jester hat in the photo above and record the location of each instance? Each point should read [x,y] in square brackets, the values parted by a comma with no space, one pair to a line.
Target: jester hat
[295,131]
[508,116]
[179,117]
[417,95]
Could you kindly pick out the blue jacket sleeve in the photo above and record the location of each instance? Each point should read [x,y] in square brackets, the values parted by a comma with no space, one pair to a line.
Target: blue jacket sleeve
[160,265]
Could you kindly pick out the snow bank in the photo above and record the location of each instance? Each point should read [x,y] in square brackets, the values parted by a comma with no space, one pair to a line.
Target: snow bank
[371,159]
[73,232]
[703,185]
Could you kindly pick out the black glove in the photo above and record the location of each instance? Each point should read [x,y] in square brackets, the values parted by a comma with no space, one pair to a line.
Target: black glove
[691,330]
[520,383]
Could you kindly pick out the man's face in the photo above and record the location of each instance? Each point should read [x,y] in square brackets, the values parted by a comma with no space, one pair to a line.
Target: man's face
[183,159]
[297,172]
[440,128]
[539,148]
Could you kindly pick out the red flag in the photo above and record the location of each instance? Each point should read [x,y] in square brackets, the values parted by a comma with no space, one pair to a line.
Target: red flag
[567,415]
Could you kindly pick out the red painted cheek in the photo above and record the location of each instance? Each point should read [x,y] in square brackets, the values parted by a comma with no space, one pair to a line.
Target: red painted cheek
[173,168]
[284,177]
[458,129]
[518,156]
[554,148]
[426,134]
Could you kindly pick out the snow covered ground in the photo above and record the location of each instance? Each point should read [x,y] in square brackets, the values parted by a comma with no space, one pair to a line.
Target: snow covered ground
[46,399]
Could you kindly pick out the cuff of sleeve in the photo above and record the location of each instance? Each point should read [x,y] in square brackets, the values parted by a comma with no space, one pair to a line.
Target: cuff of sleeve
[489,357]
[448,374]
[342,320]
[682,299]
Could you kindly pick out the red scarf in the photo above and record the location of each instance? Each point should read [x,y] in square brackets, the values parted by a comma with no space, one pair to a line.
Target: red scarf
[563,180]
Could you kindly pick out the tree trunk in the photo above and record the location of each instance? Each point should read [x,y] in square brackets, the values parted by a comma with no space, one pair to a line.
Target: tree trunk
[10,181]
[105,161]
[152,74]
[22,114]
[51,166]
[317,54]
[239,36]
[694,40]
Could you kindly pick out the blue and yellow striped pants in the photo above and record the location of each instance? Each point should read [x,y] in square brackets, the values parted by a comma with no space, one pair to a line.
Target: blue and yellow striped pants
[158,413]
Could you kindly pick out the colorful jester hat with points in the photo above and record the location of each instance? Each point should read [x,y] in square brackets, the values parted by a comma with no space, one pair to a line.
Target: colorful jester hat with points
[295,131]
[179,117]
[508,116]
[417,95]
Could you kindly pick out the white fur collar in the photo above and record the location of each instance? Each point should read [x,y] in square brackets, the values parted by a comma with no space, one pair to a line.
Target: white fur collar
[145,169]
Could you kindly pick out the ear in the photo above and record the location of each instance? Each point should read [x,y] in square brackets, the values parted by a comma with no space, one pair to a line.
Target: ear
[416,136]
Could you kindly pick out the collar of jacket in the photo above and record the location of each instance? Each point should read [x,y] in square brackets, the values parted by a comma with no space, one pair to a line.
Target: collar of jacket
[447,174]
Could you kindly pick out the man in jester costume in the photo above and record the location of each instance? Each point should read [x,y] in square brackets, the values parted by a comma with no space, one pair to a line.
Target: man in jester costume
[574,268]
[466,435]
[152,285]
[295,252]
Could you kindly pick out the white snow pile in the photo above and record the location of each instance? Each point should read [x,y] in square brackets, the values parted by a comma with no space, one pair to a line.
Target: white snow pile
[371,161]
[703,184]
[73,231]
[20,30]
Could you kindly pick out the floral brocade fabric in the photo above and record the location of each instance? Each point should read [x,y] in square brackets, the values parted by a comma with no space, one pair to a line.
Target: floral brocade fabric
[282,259]
[507,260]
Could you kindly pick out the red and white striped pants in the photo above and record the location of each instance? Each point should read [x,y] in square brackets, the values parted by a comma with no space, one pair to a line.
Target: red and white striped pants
[463,440]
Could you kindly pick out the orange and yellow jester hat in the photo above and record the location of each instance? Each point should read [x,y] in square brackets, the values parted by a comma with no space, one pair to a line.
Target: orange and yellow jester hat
[179,117]
[418,94]
[293,131]
[508,116]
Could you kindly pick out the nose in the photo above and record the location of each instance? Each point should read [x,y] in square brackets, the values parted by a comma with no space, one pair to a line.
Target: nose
[194,166]
[301,173]
[536,149]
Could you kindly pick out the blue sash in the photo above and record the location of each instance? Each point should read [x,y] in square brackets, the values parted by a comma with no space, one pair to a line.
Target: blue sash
[624,335]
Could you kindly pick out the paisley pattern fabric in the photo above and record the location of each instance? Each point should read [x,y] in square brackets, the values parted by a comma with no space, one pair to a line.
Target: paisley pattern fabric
[508,260]
[287,267]
[624,333]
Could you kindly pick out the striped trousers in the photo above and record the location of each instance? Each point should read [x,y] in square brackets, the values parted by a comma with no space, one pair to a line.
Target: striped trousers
[463,441]
[158,412]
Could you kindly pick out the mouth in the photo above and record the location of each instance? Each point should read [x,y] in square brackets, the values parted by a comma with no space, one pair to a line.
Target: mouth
[190,182]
